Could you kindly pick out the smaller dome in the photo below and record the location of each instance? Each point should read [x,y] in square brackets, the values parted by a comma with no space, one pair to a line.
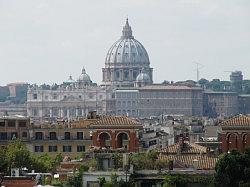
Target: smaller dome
[84,77]
[143,77]
[70,80]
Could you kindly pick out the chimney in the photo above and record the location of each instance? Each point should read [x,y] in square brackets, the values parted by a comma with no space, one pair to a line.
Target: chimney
[181,143]
[92,115]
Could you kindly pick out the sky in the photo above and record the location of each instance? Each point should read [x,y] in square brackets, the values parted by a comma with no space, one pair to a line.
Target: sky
[45,41]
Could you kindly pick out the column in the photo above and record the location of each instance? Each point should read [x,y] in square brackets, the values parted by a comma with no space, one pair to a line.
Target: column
[130,74]
[61,112]
[68,113]
[94,138]
[240,142]
[76,112]
[121,74]
[83,113]
[132,142]
[113,139]
[50,112]
[112,78]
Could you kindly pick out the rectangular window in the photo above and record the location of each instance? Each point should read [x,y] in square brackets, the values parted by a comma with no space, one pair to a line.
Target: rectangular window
[80,148]
[2,123]
[24,134]
[52,136]
[67,135]
[22,123]
[39,136]
[35,96]
[52,148]
[34,111]
[38,148]
[66,148]
[11,123]
[79,135]
[3,135]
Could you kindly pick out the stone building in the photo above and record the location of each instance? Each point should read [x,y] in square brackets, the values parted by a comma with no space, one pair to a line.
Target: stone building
[125,60]
[8,108]
[68,138]
[71,138]
[244,104]
[156,100]
[126,102]
[235,133]
[70,100]
[13,128]
[220,103]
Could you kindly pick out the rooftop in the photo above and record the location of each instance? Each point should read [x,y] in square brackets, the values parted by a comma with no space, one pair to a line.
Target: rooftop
[168,87]
[239,120]
[186,148]
[116,120]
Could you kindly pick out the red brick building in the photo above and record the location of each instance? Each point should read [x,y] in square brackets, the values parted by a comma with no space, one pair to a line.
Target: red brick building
[236,133]
[116,132]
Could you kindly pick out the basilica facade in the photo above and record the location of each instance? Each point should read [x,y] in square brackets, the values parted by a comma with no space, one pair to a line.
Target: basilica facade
[70,100]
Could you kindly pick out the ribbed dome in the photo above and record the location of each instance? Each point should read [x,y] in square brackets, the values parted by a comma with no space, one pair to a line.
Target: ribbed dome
[127,49]
[84,77]
[70,80]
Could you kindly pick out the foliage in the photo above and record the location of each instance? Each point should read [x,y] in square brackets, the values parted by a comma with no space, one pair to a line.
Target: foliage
[17,155]
[93,163]
[3,161]
[182,180]
[145,160]
[102,181]
[233,168]
[56,182]
[114,182]
[117,158]
[76,179]
[4,93]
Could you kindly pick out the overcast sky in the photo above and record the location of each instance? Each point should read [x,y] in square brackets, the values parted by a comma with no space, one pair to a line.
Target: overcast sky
[44,41]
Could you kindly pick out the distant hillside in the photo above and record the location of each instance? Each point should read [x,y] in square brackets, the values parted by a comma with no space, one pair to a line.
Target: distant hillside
[4,93]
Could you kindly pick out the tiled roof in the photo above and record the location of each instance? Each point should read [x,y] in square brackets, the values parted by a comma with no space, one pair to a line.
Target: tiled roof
[239,120]
[186,160]
[116,120]
[187,148]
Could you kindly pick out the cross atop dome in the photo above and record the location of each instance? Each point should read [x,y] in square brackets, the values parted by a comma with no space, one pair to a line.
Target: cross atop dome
[127,31]
[83,70]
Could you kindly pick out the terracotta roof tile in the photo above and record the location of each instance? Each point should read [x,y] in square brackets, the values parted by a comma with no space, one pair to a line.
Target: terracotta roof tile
[188,148]
[204,161]
[116,120]
[239,120]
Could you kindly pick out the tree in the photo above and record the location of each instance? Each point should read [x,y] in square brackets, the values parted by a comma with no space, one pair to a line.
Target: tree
[76,179]
[203,82]
[17,155]
[3,161]
[216,85]
[232,168]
